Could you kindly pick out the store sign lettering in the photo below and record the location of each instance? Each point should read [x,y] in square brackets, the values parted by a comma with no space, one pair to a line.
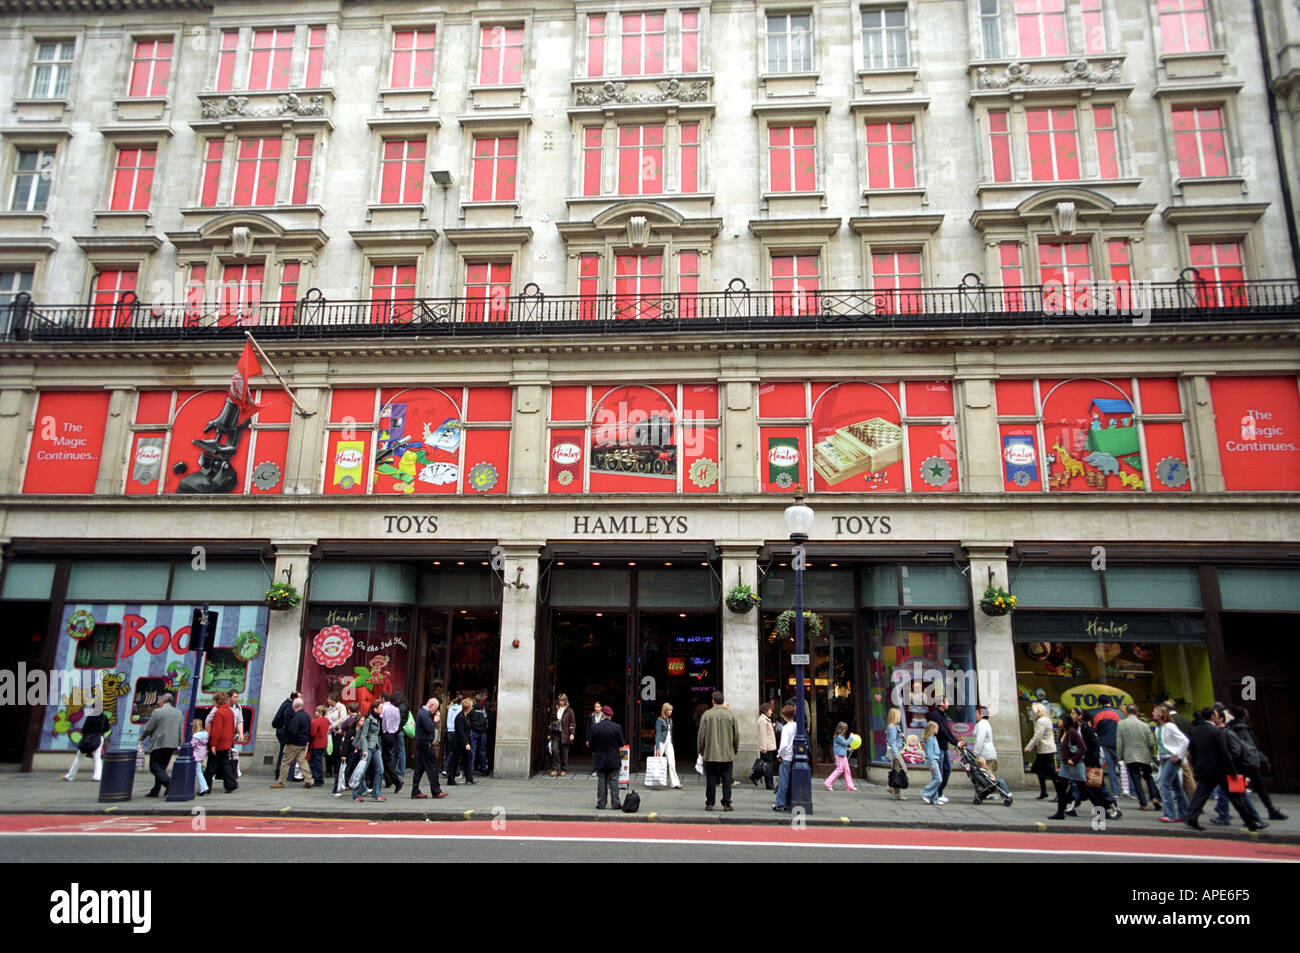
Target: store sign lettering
[783,456]
[344,618]
[855,525]
[410,525]
[156,642]
[1097,629]
[940,619]
[566,454]
[634,525]
[1092,697]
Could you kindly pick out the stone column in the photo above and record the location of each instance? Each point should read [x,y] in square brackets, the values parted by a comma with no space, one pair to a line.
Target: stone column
[283,662]
[738,447]
[995,659]
[977,421]
[117,440]
[514,742]
[302,463]
[17,397]
[529,448]
[740,675]
[1207,469]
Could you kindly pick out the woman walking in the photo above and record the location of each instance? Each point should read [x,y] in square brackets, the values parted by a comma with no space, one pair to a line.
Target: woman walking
[766,746]
[1073,751]
[1043,749]
[562,726]
[1092,761]
[95,730]
[894,744]
[842,749]
[367,741]
[1171,748]
[664,742]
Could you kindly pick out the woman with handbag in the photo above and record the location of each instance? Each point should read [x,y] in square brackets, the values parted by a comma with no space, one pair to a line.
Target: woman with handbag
[766,748]
[95,730]
[1043,748]
[562,728]
[664,743]
[1073,750]
[1094,773]
[894,744]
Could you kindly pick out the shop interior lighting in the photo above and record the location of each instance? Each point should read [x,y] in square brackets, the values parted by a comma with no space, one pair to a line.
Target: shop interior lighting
[559,564]
[595,564]
[460,564]
[681,615]
[437,562]
[600,615]
[631,564]
[667,564]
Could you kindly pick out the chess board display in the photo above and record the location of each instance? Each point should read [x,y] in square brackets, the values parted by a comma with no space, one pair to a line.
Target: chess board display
[868,446]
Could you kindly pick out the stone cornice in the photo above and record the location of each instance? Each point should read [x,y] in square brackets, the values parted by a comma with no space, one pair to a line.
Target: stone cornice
[100,6]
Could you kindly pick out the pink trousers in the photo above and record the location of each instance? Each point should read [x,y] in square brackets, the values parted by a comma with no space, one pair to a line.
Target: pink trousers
[841,767]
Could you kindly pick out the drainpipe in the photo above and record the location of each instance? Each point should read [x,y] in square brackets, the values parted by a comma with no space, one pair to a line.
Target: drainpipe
[1283,178]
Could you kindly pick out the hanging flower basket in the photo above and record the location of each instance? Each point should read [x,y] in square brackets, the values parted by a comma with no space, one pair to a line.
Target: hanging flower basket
[812,624]
[997,601]
[741,599]
[283,596]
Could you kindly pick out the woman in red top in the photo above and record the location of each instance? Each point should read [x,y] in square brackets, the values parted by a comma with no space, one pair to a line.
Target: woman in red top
[221,739]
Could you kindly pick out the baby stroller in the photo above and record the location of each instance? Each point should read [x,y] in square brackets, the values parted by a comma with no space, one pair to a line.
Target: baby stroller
[982,779]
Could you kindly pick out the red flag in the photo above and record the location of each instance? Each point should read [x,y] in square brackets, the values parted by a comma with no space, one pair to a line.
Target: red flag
[247,367]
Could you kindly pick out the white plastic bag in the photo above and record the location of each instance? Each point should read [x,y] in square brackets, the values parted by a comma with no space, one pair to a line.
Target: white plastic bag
[656,771]
[359,771]
[139,758]
[699,765]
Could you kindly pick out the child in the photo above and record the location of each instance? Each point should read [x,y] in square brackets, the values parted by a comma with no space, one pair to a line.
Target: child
[930,792]
[318,739]
[199,739]
[841,758]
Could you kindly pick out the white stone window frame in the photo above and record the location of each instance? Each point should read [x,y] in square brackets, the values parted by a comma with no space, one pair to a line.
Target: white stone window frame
[127,62]
[1094,235]
[1082,102]
[1075,39]
[413,129]
[666,244]
[13,153]
[478,22]
[612,120]
[787,10]
[116,140]
[778,245]
[289,134]
[673,42]
[1222,97]
[1218,50]
[860,47]
[126,256]
[34,63]
[393,256]
[402,23]
[516,125]
[815,116]
[912,111]
[1222,228]
[297,60]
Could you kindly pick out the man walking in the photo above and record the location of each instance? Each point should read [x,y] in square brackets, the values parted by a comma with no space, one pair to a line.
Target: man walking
[426,758]
[163,730]
[1212,762]
[939,715]
[281,718]
[478,733]
[459,743]
[606,739]
[390,720]
[1134,746]
[718,739]
[449,759]
[297,734]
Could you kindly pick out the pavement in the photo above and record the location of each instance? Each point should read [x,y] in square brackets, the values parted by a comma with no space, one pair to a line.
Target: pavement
[573,798]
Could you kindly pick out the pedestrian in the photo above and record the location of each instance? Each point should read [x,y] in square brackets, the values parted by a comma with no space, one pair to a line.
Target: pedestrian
[597,713]
[1253,762]
[462,747]
[282,716]
[163,732]
[318,739]
[1171,750]
[199,749]
[237,714]
[478,734]
[939,715]
[842,750]
[297,735]
[894,744]
[426,756]
[367,742]
[785,753]
[337,713]
[390,720]
[1133,746]
[766,747]
[221,741]
[1043,747]
[449,759]
[933,755]
[719,741]
[346,747]
[95,731]
[1106,724]
[562,728]
[982,744]
[1092,759]
[607,757]
[1212,763]
[664,742]
[1074,774]
[1238,752]
[399,745]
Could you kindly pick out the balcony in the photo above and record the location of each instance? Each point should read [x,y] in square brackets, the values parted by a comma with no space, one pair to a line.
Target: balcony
[971,305]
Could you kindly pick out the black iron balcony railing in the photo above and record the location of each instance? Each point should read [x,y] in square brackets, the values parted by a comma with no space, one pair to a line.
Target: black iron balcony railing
[972,304]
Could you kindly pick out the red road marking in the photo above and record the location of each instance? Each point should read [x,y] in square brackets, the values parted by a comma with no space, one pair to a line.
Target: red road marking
[1078,842]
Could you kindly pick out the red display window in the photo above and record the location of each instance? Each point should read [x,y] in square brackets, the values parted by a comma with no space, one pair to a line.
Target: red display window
[1016,398]
[929,398]
[486,456]
[1053,144]
[1040,25]
[412,59]
[1160,395]
[1000,144]
[569,403]
[490,404]
[890,155]
[1091,436]
[1257,422]
[932,457]
[566,461]
[150,68]
[67,442]
[857,438]
[194,410]
[1022,465]
[640,160]
[792,158]
[501,55]
[643,43]
[784,458]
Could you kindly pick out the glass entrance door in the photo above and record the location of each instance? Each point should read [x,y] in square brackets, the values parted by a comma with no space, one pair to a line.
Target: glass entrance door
[678,662]
[829,682]
[591,666]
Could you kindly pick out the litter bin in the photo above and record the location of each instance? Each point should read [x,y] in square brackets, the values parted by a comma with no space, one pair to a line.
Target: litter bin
[118,779]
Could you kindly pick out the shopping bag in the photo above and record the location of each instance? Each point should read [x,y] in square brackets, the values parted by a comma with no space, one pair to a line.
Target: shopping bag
[1125,787]
[329,744]
[359,772]
[139,758]
[656,771]
[699,765]
[1236,784]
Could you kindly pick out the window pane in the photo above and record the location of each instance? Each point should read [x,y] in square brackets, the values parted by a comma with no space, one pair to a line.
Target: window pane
[1056,586]
[116,581]
[341,582]
[880,586]
[458,589]
[673,589]
[1260,588]
[220,582]
[1157,587]
[394,583]
[28,581]
[934,586]
[822,589]
[590,587]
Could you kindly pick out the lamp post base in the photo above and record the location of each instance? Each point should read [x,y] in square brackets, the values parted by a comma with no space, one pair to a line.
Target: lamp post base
[181,787]
[801,777]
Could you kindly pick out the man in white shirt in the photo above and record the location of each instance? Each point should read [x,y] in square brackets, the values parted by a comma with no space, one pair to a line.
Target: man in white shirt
[982,745]
[785,752]
[449,747]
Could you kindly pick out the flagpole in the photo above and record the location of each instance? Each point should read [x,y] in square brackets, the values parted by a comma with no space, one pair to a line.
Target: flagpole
[251,340]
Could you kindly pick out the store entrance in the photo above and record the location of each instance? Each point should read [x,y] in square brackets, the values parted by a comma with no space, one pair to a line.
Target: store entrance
[1257,651]
[828,683]
[678,663]
[592,665]
[26,624]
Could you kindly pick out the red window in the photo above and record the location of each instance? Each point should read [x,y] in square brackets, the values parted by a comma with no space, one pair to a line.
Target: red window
[401,177]
[690,133]
[241,294]
[315,57]
[588,286]
[226,60]
[792,158]
[133,178]
[288,291]
[1065,270]
[1221,272]
[1094,27]
[591,160]
[211,172]
[495,159]
[795,282]
[1041,26]
[111,285]
[890,155]
[272,55]
[1103,119]
[1012,276]
[643,44]
[501,55]
[1200,141]
[1119,255]
[302,170]
[688,283]
[596,45]
[640,160]
[256,170]
[1053,144]
[690,41]
[194,294]
[1184,26]
[638,285]
[392,288]
[150,68]
[896,278]
[487,290]
[412,59]
[1000,145]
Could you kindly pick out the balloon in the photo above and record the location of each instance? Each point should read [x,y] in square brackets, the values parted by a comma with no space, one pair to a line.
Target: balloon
[855,742]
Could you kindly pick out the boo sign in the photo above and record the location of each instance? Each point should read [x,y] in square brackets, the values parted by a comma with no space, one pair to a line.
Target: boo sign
[1093,697]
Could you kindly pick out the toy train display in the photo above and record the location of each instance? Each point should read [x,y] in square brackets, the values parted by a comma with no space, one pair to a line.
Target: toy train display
[646,447]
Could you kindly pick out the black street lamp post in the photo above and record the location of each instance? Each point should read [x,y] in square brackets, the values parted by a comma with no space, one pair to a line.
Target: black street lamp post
[798,521]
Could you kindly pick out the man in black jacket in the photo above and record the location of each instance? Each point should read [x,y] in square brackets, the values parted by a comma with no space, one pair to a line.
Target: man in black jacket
[297,734]
[459,742]
[606,741]
[426,758]
[939,715]
[1212,763]
[278,722]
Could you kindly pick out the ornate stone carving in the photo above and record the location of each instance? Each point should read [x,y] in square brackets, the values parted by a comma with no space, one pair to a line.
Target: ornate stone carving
[1022,74]
[287,104]
[638,231]
[666,91]
[241,241]
[1065,215]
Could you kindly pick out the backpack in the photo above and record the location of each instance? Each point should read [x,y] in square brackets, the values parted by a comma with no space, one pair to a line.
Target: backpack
[478,720]
[631,802]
